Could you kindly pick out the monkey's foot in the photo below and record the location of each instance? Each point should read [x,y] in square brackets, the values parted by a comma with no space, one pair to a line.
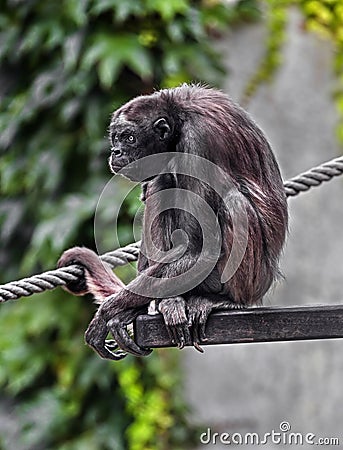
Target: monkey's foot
[95,337]
[174,315]
[199,308]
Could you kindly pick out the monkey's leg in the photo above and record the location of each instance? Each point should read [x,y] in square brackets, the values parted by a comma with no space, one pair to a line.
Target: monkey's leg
[199,308]
[174,315]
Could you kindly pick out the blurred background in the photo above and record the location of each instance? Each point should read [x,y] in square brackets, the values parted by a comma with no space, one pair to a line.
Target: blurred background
[65,66]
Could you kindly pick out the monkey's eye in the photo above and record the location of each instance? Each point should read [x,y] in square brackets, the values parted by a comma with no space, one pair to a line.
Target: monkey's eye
[131,138]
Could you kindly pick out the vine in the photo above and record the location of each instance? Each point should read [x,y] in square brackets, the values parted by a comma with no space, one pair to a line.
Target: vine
[323,17]
[276,22]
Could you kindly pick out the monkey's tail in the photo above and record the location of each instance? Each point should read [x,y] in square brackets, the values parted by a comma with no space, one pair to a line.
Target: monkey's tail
[98,280]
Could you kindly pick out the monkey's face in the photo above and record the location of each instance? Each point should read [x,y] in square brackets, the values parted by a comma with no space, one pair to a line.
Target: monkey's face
[131,140]
[125,143]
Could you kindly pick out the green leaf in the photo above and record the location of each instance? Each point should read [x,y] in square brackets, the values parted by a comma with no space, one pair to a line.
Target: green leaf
[111,53]
[71,50]
[167,9]
[76,10]
[123,10]
[101,6]
[109,68]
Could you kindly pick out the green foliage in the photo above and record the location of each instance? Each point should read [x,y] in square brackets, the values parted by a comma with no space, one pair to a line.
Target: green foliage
[70,399]
[325,18]
[276,34]
[65,66]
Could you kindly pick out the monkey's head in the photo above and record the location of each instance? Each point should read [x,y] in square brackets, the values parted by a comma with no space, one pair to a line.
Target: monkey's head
[140,128]
[191,119]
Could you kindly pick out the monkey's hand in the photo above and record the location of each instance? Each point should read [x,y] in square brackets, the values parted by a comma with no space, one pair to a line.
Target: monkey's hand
[95,336]
[98,278]
[111,317]
[174,315]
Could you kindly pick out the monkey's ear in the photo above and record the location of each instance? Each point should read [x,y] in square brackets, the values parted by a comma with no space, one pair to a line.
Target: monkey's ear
[162,128]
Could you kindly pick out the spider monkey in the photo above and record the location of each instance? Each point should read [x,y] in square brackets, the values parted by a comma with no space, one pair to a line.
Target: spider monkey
[193,121]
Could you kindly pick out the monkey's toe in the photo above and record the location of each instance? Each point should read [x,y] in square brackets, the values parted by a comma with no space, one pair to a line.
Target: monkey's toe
[199,308]
[196,335]
[179,334]
[198,347]
[174,314]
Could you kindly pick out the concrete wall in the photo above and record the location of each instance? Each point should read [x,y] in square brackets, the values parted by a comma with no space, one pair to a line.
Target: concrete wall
[252,388]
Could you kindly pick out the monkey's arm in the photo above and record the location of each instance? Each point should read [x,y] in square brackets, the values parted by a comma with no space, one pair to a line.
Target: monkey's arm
[121,309]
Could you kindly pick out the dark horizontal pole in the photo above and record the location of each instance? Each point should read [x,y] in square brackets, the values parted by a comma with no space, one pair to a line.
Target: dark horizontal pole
[264,324]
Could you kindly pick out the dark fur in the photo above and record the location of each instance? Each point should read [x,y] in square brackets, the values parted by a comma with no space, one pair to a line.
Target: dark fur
[205,122]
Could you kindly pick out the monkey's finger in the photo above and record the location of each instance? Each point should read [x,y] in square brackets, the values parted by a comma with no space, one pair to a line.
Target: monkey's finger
[111,344]
[120,334]
[197,322]
[95,336]
[172,334]
[105,353]
[118,354]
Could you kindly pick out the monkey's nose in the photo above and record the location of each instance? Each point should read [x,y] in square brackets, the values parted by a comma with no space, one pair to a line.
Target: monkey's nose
[116,152]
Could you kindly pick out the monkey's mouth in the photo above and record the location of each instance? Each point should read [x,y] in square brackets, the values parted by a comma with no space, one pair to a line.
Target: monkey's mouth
[117,162]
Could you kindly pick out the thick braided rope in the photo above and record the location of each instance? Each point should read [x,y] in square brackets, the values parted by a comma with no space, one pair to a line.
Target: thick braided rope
[59,277]
[314,177]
